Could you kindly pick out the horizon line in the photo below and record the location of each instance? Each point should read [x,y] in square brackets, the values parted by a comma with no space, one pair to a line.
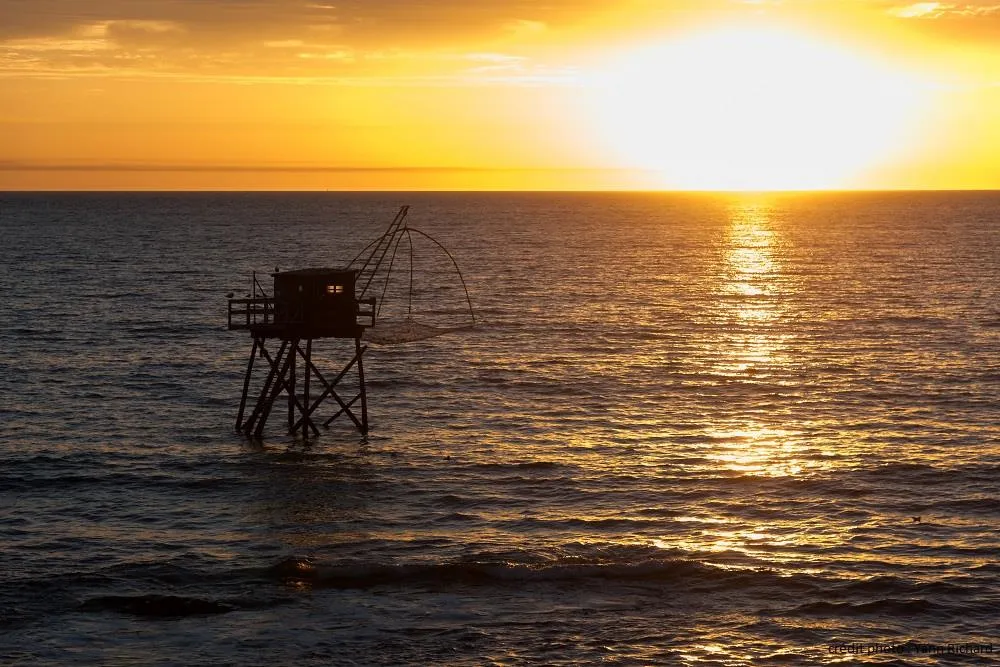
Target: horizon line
[609,190]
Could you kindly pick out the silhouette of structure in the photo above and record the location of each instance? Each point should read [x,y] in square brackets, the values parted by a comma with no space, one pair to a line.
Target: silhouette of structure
[306,305]
[321,303]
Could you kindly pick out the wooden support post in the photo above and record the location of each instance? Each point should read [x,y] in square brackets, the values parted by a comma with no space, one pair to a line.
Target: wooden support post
[290,386]
[307,422]
[283,377]
[246,384]
[358,351]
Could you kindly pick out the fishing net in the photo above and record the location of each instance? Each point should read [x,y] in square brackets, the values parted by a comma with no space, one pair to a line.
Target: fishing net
[396,332]
[410,273]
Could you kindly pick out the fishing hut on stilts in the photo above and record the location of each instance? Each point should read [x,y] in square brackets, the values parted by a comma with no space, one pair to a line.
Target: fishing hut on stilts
[322,303]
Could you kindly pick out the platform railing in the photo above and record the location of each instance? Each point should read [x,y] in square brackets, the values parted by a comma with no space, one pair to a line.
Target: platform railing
[244,313]
[249,312]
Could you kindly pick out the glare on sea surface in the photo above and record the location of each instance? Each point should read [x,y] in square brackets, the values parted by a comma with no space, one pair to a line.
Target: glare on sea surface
[758,450]
[753,108]
[749,293]
[752,296]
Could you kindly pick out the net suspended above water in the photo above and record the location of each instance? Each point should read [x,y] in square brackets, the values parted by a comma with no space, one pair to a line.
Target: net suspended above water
[395,332]
[412,280]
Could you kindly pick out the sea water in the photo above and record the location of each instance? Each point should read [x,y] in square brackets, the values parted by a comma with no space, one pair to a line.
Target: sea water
[687,429]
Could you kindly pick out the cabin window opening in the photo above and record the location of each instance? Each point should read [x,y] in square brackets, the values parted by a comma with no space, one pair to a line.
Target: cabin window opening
[334,289]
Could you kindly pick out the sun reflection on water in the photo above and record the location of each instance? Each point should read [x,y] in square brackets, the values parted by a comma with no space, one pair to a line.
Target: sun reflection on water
[753,440]
[749,292]
[759,451]
[750,350]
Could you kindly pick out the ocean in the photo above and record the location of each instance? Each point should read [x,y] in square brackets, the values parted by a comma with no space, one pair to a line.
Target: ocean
[687,429]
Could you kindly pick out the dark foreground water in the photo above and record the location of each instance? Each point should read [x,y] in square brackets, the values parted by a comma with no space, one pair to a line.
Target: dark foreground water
[688,430]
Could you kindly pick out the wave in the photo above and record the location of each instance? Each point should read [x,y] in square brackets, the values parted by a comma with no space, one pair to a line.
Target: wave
[160,606]
[884,607]
[362,575]
[47,480]
[573,563]
[194,586]
[523,465]
[643,568]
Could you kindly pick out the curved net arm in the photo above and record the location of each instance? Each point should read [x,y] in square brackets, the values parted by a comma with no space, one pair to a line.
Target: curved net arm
[468,299]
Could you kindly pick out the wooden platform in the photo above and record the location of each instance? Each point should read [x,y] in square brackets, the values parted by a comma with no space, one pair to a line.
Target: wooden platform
[257,315]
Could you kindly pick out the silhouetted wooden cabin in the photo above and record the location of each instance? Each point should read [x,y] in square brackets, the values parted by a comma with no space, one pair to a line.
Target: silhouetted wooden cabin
[306,303]
[317,302]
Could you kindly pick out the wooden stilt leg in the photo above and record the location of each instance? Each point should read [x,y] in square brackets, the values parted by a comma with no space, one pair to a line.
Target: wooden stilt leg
[283,376]
[358,351]
[246,384]
[308,424]
[291,385]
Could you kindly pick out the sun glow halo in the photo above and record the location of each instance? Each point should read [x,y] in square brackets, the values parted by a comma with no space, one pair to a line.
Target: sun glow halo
[742,108]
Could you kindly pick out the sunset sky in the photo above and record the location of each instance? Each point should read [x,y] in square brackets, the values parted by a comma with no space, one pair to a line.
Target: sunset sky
[499,94]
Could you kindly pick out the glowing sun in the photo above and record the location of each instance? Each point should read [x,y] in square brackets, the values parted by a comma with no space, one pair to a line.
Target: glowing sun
[753,108]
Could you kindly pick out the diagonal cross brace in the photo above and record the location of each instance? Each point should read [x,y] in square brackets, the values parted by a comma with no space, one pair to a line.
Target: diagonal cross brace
[271,377]
[328,390]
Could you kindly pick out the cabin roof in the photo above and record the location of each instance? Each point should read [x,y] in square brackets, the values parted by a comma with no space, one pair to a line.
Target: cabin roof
[315,272]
